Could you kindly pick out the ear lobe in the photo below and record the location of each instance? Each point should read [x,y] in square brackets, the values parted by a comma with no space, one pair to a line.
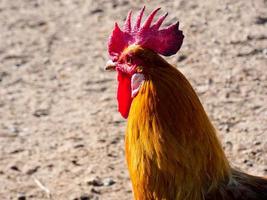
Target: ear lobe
[137,80]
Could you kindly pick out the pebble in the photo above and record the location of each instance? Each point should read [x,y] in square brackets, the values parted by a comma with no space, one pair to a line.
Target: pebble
[97,182]
[32,170]
[181,58]
[108,182]
[15,168]
[228,145]
[93,190]
[14,130]
[261,20]
[21,196]
[41,112]
[97,10]
[248,163]
[86,197]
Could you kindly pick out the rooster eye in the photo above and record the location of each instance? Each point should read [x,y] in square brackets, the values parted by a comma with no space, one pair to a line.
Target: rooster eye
[129,59]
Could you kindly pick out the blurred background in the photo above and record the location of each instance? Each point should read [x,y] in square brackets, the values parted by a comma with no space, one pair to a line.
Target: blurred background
[61,136]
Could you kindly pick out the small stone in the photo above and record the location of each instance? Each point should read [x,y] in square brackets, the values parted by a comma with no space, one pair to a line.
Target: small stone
[41,112]
[97,182]
[14,130]
[181,58]
[228,145]
[93,190]
[261,20]
[108,182]
[253,153]
[15,168]
[78,146]
[257,143]
[21,196]
[210,81]
[32,170]
[250,164]
[97,10]
[86,197]
[75,162]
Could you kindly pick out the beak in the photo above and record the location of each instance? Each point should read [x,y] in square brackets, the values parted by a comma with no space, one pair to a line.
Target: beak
[110,66]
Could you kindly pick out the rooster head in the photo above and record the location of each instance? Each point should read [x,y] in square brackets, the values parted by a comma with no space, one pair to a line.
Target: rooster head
[131,49]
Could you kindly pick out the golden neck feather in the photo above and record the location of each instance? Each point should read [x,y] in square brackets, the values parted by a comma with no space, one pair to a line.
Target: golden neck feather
[170,137]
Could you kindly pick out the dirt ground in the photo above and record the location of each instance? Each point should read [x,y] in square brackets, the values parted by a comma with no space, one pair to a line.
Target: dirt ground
[61,136]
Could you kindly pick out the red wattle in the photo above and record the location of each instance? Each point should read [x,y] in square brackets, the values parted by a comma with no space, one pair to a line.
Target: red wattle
[124,93]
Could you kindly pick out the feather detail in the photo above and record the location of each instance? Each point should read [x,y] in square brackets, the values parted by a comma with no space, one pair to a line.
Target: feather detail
[172,149]
[240,187]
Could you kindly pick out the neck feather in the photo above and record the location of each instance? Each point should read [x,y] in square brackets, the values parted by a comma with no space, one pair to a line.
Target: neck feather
[170,134]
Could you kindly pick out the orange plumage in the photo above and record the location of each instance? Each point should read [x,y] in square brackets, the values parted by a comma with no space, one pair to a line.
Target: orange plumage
[172,149]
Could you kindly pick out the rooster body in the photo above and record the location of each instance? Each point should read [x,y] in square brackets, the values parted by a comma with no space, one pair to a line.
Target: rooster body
[171,147]
[172,150]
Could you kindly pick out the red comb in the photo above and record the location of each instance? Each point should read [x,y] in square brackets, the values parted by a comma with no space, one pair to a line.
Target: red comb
[166,41]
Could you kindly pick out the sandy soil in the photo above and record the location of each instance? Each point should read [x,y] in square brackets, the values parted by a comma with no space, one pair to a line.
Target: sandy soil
[59,126]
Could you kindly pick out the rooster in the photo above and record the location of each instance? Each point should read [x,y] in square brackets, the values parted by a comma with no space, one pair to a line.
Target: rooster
[171,146]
